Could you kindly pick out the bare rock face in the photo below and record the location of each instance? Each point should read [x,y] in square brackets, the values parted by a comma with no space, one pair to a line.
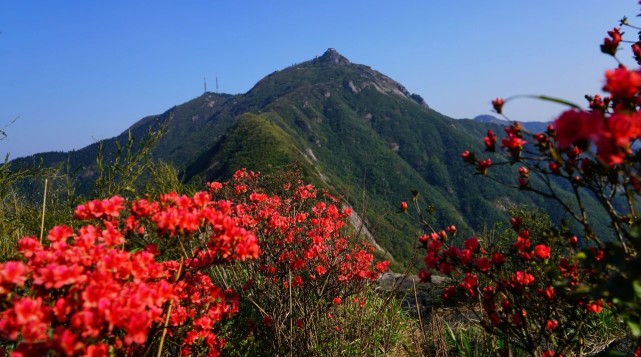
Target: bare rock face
[415,296]
[368,78]
[331,57]
[349,85]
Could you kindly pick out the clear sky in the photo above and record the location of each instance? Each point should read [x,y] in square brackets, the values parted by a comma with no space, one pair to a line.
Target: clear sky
[78,71]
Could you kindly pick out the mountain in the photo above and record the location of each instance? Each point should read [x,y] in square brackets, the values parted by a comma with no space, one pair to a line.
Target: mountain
[352,129]
[531,126]
[490,119]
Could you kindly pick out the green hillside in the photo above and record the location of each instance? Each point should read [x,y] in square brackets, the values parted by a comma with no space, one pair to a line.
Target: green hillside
[351,129]
[252,142]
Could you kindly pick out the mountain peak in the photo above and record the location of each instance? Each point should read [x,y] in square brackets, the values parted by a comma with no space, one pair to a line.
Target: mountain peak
[486,118]
[331,57]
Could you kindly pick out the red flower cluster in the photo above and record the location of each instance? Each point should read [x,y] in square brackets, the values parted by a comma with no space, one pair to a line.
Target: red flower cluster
[594,152]
[99,209]
[490,141]
[306,254]
[611,125]
[200,305]
[611,43]
[513,141]
[611,133]
[498,105]
[483,166]
[215,225]
[83,293]
[515,283]
[303,235]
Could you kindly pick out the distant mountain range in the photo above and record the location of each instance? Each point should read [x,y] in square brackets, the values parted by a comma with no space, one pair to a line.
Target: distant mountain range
[531,126]
[352,129]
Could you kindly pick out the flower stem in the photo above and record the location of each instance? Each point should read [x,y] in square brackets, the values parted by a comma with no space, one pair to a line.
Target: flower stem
[164,330]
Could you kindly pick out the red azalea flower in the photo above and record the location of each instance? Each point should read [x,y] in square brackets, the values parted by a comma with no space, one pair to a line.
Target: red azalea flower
[472,244]
[516,223]
[468,157]
[483,166]
[622,83]
[542,251]
[498,259]
[424,275]
[483,264]
[497,104]
[611,44]
[594,307]
[523,182]
[382,266]
[575,125]
[514,144]
[623,128]
[523,278]
[636,50]
[465,256]
[523,171]
[521,243]
[449,292]
[490,141]
[547,293]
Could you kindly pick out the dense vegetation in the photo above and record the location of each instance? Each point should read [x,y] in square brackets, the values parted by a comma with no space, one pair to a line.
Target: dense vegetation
[350,129]
[132,255]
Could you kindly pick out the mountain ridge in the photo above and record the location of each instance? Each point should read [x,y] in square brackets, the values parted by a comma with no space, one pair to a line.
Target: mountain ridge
[531,126]
[352,129]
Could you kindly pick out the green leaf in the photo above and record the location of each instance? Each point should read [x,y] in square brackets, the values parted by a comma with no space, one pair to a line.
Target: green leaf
[635,230]
[558,100]
[634,328]
[637,287]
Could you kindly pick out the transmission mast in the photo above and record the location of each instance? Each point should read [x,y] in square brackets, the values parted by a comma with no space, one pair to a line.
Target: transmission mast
[205,84]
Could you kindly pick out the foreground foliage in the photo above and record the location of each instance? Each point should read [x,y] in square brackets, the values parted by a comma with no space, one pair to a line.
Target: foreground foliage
[144,275]
[524,282]
[538,292]
[309,268]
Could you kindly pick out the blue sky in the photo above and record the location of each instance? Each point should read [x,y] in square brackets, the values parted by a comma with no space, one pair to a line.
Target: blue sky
[78,71]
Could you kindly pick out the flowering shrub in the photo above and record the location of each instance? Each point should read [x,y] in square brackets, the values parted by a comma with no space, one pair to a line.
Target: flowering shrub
[82,293]
[307,268]
[596,153]
[524,283]
[80,296]
[137,273]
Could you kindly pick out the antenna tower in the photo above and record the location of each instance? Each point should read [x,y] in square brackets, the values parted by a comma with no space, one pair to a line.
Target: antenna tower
[216,84]
[205,83]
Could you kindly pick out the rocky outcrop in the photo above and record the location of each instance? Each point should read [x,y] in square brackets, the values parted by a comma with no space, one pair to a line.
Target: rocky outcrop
[414,295]
[331,57]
